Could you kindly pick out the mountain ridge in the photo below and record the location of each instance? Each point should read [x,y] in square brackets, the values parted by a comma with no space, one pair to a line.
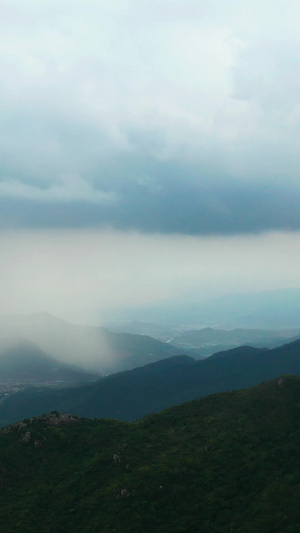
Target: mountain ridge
[135,393]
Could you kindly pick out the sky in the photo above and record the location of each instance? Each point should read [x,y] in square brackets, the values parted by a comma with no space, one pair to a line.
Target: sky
[149,151]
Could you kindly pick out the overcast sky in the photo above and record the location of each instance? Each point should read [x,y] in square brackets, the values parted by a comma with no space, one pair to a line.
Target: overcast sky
[148,148]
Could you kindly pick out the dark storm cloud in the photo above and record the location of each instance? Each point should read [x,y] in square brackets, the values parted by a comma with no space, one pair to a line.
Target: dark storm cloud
[168,198]
[171,117]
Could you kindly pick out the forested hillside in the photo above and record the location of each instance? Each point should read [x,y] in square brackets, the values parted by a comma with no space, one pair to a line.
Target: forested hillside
[227,462]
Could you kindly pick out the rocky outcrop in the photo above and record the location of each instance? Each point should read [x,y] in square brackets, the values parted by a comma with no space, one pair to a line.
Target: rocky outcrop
[59,419]
[26,438]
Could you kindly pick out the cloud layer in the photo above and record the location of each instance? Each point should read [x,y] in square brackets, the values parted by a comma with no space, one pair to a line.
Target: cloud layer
[169,116]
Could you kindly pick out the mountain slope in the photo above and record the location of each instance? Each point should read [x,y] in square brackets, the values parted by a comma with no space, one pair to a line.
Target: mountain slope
[227,462]
[24,361]
[132,351]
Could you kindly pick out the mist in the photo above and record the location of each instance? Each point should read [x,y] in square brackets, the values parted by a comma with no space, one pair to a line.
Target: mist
[85,276]
[79,345]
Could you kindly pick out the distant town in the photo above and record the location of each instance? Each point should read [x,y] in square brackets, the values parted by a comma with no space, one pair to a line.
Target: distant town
[13,386]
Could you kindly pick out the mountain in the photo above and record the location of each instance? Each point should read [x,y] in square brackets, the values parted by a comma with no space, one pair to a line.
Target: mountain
[132,394]
[162,332]
[269,309]
[202,342]
[207,341]
[132,351]
[24,361]
[227,462]
[273,309]
[96,348]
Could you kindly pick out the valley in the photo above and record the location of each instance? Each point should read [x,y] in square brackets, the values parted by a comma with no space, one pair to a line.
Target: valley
[144,389]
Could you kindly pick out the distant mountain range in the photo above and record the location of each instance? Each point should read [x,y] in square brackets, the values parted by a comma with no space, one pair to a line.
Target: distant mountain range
[207,341]
[224,463]
[94,348]
[274,309]
[132,394]
[202,342]
[100,350]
